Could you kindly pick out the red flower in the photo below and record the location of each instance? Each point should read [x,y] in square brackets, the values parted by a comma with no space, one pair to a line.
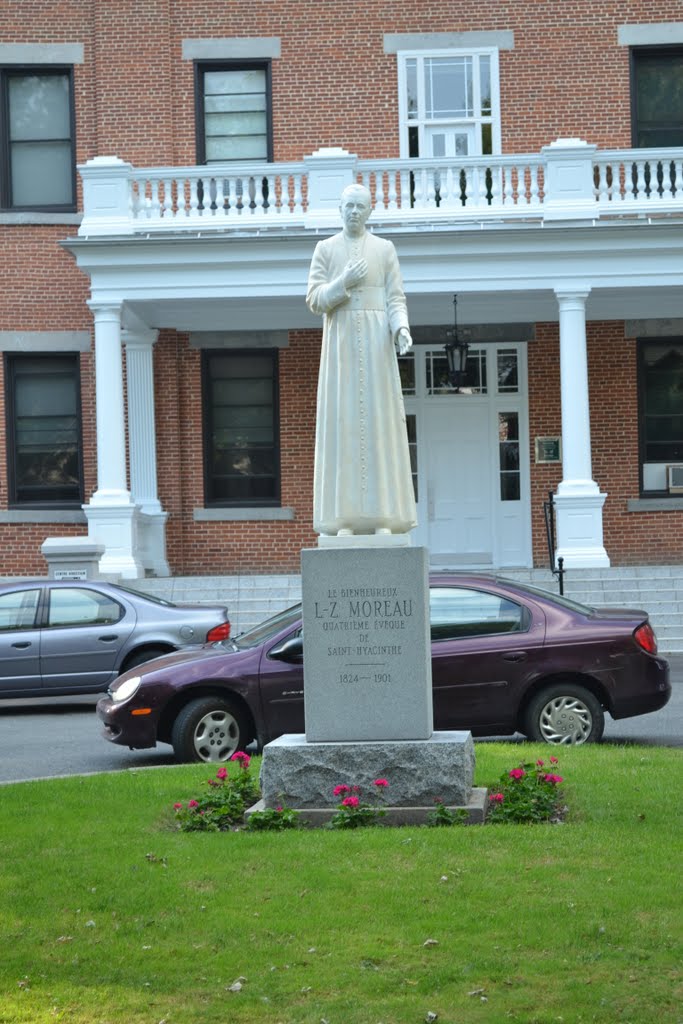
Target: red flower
[380,782]
[540,763]
[243,758]
[553,760]
[222,773]
[338,790]
[193,803]
[517,773]
[212,782]
[355,789]
[496,798]
[555,779]
[177,807]
[278,809]
[350,801]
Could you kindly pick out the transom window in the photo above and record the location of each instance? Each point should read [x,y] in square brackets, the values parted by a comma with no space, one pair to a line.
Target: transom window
[241,435]
[660,380]
[449,103]
[37,170]
[233,112]
[657,96]
[43,430]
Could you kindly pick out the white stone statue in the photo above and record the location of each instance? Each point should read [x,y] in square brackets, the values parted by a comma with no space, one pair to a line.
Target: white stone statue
[362,480]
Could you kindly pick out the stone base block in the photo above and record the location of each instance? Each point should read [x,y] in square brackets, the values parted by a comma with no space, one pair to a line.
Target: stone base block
[317,817]
[303,775]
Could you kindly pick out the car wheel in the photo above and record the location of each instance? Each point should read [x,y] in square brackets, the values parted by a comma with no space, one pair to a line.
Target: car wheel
[143,655]
[208,729]
[564,714]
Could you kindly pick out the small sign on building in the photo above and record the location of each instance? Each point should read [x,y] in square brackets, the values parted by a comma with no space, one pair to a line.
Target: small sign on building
[548,449]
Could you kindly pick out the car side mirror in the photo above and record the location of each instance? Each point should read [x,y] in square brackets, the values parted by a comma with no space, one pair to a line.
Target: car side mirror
[290,650]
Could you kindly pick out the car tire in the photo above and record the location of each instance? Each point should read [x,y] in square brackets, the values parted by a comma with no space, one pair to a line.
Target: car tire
[209,729]
[564,714]
[143,655]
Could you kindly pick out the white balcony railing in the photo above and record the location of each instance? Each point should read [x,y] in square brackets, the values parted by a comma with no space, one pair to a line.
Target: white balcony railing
[566,180]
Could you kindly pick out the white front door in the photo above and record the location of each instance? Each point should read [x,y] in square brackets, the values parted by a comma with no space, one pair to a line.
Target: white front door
[458,460]
[470,456]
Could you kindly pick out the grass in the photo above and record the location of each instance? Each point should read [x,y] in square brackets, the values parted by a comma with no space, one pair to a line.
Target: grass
[109,916]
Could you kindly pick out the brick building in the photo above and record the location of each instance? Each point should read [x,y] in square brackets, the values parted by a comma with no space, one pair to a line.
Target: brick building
[165,173]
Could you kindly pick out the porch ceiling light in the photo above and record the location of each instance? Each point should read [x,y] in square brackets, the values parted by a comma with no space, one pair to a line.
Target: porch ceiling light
[456,352]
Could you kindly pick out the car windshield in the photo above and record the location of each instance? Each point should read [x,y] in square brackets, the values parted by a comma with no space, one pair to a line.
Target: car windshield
[548,595]
[147,597]
[263,632]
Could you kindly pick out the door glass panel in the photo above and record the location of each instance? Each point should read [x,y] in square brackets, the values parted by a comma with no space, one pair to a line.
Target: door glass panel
[457,612]
[508,449]
[18,609]
[71,606]
[508,372]
[406,369]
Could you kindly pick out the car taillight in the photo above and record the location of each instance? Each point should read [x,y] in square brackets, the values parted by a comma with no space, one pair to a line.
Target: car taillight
[221,632]
[645,637]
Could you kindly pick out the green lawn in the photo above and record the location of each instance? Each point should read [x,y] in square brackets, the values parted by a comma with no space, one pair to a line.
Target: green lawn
[109,916]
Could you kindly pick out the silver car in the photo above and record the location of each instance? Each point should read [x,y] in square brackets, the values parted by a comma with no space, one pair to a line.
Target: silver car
[76,637]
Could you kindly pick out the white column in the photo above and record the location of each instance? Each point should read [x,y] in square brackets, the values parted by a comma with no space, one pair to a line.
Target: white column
[142,450]
[578,500]
[111,512]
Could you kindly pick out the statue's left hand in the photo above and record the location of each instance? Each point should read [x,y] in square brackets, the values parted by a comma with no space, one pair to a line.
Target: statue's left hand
[404,342]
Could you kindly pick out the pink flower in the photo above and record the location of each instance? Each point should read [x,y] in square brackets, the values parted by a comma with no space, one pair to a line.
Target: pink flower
[355,789]
[350,801]
[243,758]
[278,808]
[222,773]
[193,803]
[380,782]
[517,773]
[554,779]
[496,798]
[553,760]
[338,790]
[177,807]
[540,763]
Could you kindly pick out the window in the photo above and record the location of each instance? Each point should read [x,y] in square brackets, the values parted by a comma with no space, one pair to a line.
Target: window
[449,103]
[241,436]
[18,609]
[37,139]
[456,612]
[657,96]
[73,606]
[233,112]
[43,430]
[508,455]
[660,387]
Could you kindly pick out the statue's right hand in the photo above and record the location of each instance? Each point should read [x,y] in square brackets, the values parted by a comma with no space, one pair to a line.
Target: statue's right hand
[354,273]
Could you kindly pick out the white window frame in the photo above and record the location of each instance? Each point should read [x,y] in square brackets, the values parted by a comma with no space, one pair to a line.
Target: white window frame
[421,121]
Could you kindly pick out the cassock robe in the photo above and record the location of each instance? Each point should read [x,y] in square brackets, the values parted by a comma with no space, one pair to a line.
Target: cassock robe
[362,478]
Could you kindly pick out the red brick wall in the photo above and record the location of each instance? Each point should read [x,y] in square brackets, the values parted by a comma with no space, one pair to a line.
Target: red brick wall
[631,538]
[333,85]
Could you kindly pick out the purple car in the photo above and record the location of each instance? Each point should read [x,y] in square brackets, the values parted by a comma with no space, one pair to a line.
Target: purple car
[506,658]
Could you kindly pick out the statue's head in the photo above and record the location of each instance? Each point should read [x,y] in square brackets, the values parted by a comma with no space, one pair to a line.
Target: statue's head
[355,206]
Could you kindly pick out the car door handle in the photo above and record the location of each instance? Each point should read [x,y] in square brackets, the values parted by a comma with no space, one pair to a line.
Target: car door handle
[109,638]
[23,645]
[515,656]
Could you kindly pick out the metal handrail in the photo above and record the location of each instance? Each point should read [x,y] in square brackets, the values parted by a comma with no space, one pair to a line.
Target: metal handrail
[549,517]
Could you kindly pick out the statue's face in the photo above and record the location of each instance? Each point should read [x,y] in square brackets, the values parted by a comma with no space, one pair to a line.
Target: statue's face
[355,210]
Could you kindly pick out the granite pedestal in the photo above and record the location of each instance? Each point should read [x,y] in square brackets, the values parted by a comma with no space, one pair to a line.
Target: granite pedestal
[368,694]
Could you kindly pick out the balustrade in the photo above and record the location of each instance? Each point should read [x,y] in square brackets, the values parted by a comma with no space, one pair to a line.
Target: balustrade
[246,196]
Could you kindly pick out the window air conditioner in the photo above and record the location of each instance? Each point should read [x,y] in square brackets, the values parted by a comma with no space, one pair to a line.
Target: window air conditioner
[674,478]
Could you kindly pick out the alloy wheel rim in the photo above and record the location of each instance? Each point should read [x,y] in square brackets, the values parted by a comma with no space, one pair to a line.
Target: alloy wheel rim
[216,736]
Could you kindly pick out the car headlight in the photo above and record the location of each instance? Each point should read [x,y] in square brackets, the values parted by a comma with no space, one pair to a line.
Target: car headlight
[124,690]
